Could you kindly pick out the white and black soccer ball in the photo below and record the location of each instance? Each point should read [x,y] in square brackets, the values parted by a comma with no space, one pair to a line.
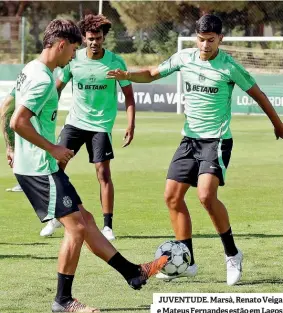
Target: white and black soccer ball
[179,257]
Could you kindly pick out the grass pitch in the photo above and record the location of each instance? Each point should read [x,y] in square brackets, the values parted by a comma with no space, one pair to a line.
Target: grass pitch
[253,196]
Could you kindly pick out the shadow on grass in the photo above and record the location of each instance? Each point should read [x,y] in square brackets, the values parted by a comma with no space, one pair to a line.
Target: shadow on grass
[24,244]
[26,256]
[142,308]
[204,236]
[241,283]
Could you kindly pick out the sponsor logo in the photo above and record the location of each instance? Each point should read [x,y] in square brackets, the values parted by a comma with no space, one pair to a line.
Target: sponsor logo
[67,201]
[108,153]
[92,87]
[203,89]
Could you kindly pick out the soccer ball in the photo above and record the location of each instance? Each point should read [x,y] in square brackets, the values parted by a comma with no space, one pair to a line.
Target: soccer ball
[179,257]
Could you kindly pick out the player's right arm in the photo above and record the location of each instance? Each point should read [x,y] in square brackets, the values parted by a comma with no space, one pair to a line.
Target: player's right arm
[143,76]
[147,76]
[6,111]
[22,125]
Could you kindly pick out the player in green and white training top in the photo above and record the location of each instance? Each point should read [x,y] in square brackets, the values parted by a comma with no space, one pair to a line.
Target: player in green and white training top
[209,76]
[46,185]
[94,109]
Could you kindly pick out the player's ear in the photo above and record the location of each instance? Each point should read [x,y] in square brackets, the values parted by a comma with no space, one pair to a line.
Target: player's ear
[61,45]
[84,40]
[221,38]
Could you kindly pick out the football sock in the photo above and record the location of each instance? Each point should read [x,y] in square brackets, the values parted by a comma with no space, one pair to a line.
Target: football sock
[228,243]
[108,219]
[124,267]
[64,288]
[189,244]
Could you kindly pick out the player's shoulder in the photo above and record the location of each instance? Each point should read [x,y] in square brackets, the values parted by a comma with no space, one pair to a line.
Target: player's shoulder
[37,72]
[226,58]
[187,53]
[80,54]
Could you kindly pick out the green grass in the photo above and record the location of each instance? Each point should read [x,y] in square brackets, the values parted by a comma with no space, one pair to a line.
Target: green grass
[253,196]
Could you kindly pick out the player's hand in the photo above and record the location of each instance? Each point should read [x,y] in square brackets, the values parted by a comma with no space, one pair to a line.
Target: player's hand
[62,154]
[117,74]
[129,135]
[279,132]
[10,157]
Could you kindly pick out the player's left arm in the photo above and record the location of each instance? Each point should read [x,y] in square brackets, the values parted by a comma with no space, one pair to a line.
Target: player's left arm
[6,111]
[131,112]
[256,93]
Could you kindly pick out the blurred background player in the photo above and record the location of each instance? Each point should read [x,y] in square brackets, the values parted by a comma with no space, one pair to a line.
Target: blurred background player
[94,109]
[4,109]
[46,186]
[209,75]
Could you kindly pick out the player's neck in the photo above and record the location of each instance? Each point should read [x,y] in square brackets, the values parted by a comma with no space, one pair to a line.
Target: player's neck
[47,58]
[95,56]
[214,55]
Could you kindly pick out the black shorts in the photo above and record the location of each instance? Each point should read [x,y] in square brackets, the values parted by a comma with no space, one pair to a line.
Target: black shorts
[50,195]
[98,144]
[199,156]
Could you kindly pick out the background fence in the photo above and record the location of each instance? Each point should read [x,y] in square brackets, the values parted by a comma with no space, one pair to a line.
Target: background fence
[144,32]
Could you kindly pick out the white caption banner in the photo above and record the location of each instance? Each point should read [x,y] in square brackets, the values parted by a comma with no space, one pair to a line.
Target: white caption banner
[217,303]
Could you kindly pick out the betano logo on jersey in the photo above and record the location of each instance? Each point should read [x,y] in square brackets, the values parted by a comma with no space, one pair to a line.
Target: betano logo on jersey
[93,87]
[204,89]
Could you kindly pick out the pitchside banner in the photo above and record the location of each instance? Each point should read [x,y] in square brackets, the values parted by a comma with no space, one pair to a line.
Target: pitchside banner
[162,95]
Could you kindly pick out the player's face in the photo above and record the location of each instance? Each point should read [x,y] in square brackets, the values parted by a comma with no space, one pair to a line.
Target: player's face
[67,52]
[208,44]
[94,42]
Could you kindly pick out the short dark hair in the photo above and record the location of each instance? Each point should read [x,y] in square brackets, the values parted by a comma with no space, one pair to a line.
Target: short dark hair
[94,23]
[209,24]
[61,29]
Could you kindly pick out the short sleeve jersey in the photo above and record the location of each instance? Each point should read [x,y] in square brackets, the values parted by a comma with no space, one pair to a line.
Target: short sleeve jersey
[208,87]
[36,90]
[94,105]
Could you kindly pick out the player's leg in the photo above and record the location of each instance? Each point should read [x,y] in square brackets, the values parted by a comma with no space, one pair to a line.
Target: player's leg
[100,151]
[71,138]
[135,275]
[211,175]
[182,173]
[51,197]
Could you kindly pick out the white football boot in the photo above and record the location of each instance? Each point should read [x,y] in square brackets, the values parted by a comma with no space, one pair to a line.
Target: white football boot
[50,227]
[16,188]
[108,233]
[191,271]
[234,268]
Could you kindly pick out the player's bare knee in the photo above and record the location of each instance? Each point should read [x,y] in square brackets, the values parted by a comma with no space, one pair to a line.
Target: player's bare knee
[206,199]
[78,235]
[171,200]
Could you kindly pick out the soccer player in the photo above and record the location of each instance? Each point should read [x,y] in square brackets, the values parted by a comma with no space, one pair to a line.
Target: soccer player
[209,75]
[92,115]
[46,186]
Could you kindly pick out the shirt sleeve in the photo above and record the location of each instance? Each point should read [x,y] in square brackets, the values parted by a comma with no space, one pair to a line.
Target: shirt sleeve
[36,96]
[65,74]
[122,66]
[170,65]
[241,77]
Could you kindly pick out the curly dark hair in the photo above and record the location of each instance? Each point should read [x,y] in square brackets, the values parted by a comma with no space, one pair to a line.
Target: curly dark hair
[61,28]
[94,23]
